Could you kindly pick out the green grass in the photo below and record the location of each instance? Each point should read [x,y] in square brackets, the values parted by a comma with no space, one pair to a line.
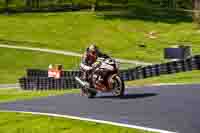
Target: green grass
[118,35]
[27,123]
[127,65]
[10,95]
[192,77]
[15,62]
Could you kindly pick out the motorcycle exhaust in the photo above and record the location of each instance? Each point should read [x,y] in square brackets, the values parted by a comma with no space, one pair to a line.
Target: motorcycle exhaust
[82,83]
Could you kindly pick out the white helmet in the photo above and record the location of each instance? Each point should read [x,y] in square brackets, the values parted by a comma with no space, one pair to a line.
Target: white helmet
[50,66]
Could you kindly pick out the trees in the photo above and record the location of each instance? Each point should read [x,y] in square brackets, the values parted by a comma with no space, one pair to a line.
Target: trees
[7,6]
[93,4]
[28,3]
[196,7]
[32,3]
[186,4]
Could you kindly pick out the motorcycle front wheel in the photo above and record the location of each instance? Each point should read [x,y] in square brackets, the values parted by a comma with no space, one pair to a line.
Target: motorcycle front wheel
[118,86]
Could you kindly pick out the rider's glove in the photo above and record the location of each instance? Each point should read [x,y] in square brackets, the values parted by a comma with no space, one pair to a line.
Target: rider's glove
[95,65]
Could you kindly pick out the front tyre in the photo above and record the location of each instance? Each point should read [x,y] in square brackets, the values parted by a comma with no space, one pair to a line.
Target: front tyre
[118,86]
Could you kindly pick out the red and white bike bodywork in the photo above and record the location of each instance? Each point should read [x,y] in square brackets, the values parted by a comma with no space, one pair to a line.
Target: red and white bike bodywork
[104,77]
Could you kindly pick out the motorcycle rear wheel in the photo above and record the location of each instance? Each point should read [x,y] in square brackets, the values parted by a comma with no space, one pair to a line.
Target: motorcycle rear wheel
[88,93]
[91,94]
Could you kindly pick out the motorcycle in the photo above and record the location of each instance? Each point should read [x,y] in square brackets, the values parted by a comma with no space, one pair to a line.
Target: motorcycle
[104,77]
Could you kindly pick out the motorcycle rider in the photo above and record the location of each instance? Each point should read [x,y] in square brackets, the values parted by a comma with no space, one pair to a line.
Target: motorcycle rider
[89,58]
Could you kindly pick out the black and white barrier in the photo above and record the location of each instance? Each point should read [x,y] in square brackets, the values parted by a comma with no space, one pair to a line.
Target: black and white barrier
[38,79]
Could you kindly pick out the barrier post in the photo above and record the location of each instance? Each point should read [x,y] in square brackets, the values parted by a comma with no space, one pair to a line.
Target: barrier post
[197,61]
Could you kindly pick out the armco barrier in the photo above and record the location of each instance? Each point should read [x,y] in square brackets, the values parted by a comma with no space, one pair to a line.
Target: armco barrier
[37,73]
[44,83]
[44,73]
[38,79]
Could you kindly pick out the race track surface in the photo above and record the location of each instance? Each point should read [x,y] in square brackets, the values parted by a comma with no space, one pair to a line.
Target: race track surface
[172,108]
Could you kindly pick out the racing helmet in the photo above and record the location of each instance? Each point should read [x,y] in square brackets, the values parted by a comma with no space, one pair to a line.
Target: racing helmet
[92,51]
[92,48]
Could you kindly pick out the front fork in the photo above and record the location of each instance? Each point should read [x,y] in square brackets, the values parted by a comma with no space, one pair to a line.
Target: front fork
[111,81]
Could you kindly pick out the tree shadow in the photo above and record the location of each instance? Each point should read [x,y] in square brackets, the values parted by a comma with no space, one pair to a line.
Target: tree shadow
[153,15]
[129,96]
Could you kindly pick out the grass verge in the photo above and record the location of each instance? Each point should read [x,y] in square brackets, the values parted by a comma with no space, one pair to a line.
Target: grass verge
[27,123]
[9,95]
[15,62]
[185,77]
[123,35]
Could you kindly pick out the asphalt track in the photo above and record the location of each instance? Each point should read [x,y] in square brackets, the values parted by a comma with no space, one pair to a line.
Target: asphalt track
[172,108]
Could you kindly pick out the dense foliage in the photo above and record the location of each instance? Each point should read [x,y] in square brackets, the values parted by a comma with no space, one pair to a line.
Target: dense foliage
[160,3]
[101,4]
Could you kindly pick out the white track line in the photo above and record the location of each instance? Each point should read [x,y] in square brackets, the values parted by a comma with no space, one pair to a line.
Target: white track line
[168,84]
[41,50]
[93,120]
[68,53]
[159,84]
[9,86]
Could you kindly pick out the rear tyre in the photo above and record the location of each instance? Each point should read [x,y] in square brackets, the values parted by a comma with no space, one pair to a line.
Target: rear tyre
[91,94]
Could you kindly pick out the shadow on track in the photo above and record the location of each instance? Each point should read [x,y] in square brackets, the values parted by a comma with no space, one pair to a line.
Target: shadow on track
[130,96]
